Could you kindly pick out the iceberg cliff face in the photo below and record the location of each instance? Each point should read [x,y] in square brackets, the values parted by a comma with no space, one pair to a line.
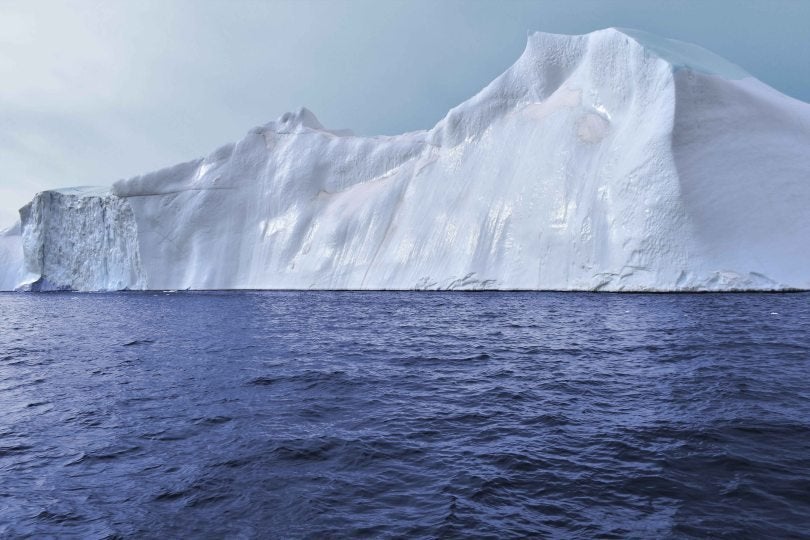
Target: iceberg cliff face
[80,239]
[610,161]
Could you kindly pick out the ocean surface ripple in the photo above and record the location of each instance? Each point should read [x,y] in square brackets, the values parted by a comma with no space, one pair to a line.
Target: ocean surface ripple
[418,415]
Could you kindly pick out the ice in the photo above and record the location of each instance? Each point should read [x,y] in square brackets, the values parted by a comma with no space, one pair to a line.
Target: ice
[12,269]
[612,161]
[80,239]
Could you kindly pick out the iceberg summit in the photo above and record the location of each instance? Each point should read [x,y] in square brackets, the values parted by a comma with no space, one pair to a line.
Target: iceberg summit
[615,161]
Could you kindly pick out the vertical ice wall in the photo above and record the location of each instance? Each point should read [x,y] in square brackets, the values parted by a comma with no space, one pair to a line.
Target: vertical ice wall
[12,267]
[81,239]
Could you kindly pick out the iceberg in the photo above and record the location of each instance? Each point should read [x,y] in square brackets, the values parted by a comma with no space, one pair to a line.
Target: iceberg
[612,161]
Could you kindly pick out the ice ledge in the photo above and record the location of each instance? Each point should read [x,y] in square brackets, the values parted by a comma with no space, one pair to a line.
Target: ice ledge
[83,191]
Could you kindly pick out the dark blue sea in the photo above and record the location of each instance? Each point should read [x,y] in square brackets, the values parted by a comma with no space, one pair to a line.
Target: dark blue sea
[404,415]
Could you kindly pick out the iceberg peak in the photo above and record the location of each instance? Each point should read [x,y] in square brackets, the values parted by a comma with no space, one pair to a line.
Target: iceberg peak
[679,54]
[292,122]
[301,117]
[299,120]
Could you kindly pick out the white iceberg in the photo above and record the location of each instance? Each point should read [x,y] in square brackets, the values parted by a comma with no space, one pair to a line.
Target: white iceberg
[611,161]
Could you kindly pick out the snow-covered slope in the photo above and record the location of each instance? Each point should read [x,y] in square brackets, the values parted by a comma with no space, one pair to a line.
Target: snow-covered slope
[610,161]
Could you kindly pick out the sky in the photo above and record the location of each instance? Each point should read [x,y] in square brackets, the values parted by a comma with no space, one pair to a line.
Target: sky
[92,91]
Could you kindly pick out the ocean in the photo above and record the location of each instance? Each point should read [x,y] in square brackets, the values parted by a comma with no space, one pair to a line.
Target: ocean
[404,415]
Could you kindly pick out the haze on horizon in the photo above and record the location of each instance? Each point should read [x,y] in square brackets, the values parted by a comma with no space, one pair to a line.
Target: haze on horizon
[96,91]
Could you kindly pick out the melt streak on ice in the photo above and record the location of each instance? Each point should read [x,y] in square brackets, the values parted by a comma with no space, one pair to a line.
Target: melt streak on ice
[611,161]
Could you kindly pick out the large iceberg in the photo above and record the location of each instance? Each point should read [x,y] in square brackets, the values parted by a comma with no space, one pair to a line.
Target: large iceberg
[613,161]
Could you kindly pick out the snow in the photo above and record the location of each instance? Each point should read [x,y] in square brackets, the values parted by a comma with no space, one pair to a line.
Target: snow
[612,161]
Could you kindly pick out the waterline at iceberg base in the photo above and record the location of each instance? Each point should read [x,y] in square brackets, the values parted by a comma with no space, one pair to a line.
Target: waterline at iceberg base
[614,161]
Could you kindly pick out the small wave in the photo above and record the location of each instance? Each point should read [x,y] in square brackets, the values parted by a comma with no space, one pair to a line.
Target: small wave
[212,420]
[306,449]
[37,404]
[15,449]
[262,381]
[136,342]
[170,495]
[108,454]
[59,517]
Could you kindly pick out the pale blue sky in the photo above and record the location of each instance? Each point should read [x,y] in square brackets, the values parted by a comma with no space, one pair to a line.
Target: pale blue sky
[93,91]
